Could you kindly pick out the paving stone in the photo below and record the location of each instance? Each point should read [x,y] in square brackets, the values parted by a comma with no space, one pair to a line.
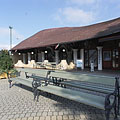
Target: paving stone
[1,116]
[65,117]
[33,114]
[36,118]
[11,116]
[50,113]
[5,118]
[25,111]
[71,112]
[39,114]
[66,113]
[60,118]
[42,118]
[24,118]
[71,117]
[55,113]
[18,118]
[27,114]
[60,113]
[53,118]
[44,114]
[47,118]
[77,117]
[76,112]
[30,118]
[22,115]
[82,116]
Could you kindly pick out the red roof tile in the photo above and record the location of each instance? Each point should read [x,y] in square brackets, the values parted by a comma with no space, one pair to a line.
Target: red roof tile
[69,34]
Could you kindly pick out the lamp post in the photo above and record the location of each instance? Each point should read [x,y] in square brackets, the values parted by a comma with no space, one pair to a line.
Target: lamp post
[10,36]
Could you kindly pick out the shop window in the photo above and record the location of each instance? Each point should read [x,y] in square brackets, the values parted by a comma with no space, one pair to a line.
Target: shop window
[107,55]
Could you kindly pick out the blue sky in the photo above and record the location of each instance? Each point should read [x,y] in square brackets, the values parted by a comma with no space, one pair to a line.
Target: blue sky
[30,16]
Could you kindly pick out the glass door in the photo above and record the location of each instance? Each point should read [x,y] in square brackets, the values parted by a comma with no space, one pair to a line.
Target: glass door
[116,58]
[91,56]
[107,59]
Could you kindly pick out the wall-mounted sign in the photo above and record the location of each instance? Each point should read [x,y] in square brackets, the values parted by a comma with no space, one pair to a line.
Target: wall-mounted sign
[79,63]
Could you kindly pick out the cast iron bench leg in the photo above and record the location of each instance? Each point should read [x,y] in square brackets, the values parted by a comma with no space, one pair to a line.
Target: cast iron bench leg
[10,83]
[107,114]
[37,95]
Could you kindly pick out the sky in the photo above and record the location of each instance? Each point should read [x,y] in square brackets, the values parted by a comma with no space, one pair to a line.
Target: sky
[28,17]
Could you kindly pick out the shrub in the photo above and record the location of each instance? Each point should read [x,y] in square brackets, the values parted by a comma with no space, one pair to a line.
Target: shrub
[6,63]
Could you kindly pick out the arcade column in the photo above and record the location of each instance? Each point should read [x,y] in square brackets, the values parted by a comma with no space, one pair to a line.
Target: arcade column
[82,57]
[43,56]
[75,56]
[99,58]
[29,58]
[24,58]
[57,56]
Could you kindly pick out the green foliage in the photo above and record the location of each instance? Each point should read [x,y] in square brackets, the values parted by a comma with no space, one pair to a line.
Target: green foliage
[6,63]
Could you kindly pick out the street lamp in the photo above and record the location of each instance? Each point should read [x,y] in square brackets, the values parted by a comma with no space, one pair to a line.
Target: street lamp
[10,36]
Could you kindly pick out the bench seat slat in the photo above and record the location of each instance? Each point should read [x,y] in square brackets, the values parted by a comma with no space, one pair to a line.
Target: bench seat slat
[23,81]
[85,98]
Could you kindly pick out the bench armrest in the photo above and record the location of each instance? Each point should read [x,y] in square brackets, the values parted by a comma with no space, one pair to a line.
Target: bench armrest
[114,103]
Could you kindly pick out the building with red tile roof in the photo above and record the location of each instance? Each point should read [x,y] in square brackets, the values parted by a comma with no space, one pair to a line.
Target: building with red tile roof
[98,43]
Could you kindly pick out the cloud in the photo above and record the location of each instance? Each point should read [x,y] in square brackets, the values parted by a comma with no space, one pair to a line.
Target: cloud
[81,2]
[5,46]
[74,16]
[5,38]
[18,35]
[5,32]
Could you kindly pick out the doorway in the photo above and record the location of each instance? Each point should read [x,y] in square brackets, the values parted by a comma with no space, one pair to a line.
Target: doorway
[91,56]
[116,59]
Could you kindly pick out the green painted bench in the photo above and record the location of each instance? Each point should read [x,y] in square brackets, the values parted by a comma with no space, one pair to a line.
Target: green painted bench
[105,103]
[101,102]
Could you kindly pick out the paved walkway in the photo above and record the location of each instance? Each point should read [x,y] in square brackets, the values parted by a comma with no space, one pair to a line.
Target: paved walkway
[17,104]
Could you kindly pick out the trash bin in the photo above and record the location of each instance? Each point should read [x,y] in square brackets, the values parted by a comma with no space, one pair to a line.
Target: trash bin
[92,67]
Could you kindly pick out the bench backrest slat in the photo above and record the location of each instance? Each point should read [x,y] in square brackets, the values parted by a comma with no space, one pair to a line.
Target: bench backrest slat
[83,77]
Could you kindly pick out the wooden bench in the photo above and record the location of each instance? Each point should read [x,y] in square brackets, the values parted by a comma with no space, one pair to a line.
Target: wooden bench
[52,82]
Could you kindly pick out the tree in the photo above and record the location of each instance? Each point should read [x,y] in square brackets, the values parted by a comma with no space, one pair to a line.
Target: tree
[6,63]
